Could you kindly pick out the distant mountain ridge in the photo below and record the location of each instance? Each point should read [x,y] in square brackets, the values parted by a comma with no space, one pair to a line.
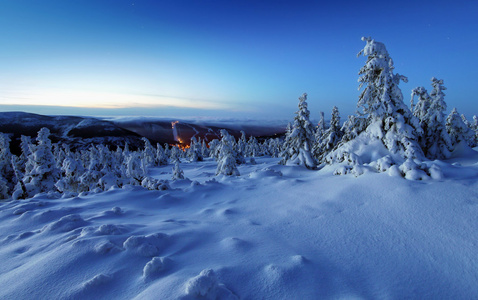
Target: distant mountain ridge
[78,132]
[81,132]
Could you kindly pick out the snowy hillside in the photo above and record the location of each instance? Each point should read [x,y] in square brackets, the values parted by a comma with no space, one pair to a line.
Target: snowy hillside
[275,232]
[240,218]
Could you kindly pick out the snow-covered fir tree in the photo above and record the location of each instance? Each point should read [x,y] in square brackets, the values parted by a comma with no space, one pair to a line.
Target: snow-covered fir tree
[161,157]
[387,118]
[457,129]
[319,133]
[436,143]
[71,171]
[149,153]
[194,152]
[382,102]
[6,170]
[252,147]
[298,144]
[226,161]
[44,173]
[330,138]
[178,173]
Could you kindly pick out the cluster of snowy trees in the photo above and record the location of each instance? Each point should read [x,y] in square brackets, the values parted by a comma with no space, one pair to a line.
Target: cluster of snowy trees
[421,132]
[43,167]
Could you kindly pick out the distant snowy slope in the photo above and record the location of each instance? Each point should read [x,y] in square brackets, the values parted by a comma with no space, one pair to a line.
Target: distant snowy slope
[77,131]
[275,232]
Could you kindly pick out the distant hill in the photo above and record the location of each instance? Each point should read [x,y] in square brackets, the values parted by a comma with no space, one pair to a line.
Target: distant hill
[78,132]
[81,132]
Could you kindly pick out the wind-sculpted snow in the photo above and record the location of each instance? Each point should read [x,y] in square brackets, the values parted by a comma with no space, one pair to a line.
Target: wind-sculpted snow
[274,232]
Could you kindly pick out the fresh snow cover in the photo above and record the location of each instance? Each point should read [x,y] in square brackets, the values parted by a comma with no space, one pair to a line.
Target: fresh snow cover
[274,232]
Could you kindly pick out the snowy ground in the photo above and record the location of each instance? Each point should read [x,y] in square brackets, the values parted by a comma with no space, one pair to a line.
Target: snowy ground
[275,232]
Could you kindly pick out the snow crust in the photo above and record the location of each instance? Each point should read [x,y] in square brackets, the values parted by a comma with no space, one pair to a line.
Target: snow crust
[274,232]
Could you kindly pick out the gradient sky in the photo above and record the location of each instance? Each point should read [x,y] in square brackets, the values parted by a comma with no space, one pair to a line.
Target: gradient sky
[228,58]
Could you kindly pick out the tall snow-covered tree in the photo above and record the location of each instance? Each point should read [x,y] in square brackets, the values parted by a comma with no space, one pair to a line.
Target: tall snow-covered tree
[298,144]
[381,102]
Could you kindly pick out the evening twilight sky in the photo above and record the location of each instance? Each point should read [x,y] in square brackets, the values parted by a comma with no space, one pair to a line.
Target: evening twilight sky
[227,59]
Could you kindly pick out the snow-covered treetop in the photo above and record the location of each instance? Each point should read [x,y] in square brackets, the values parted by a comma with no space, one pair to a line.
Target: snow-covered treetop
[438,95]
[381,95]
[373,48]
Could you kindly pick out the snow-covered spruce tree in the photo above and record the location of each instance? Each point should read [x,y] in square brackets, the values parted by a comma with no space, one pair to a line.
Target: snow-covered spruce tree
[274,147]
[161,157]
[387,119]
[430,110]
[44,173]
[204,149]
[458,131]
[252,147]
[148,154]
[330,138]
[471,141]
[89,180]
[474,125]
[298,144]
[194,152]
[319,133]
[214,148]
[241,144]
[175,155]
[423,105]
[382,102]
[226,161]
[71,171]
[178,173]
[4,190]
[6,170]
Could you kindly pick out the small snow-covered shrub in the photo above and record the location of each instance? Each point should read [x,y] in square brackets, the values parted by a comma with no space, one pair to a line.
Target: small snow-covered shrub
[154,184]
[435,172]
[413,171]
[156,265]
[204,285]
[343,170]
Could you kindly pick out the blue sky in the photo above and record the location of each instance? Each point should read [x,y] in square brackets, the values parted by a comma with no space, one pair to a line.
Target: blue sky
[238,59]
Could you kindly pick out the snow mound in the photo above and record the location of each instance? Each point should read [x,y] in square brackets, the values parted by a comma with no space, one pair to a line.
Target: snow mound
[148,246]
[267,172]
[66,223]
[206,286]
[155,266]
[109,229]
[106,247]
[117,210]
[97,281]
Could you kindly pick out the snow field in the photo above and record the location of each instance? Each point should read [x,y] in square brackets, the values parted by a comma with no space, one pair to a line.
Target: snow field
[275,232]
